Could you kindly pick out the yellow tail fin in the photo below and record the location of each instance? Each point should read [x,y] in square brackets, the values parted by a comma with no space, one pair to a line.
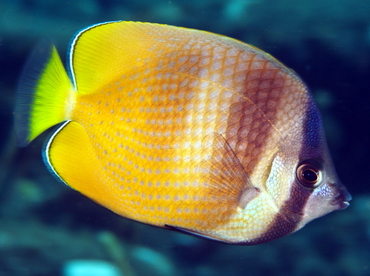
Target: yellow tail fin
[45,94]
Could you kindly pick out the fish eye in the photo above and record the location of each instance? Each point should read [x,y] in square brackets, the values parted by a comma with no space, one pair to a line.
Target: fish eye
[309,173]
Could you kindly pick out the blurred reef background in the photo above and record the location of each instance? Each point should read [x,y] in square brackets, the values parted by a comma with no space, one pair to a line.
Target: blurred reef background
[48,229]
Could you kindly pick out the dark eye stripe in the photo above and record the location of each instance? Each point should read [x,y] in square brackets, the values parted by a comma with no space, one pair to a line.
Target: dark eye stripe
[288,218]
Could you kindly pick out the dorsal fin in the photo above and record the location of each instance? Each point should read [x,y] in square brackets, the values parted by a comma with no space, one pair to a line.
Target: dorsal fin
[100,52]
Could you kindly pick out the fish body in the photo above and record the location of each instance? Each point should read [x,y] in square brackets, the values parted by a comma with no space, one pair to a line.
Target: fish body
[182,129]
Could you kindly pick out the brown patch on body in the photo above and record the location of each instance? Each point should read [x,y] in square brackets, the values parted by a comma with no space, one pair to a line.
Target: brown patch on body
[252,118]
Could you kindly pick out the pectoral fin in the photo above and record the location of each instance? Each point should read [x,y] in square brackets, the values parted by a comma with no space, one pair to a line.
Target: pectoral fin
[226,175]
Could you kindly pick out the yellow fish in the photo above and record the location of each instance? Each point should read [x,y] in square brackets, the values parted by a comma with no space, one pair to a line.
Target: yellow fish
[182,129]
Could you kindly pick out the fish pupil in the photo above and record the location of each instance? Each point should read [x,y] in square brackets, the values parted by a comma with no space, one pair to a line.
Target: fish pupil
[310,175]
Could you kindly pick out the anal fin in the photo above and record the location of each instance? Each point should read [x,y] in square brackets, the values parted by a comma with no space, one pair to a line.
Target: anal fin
[72,158]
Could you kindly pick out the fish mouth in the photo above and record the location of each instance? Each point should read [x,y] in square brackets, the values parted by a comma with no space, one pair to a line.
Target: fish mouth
[342,200]
[343,205]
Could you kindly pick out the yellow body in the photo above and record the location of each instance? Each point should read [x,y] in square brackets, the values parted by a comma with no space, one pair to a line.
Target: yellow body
[173,127]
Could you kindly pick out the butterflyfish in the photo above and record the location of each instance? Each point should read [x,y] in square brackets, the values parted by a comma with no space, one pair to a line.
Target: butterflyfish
[181,129]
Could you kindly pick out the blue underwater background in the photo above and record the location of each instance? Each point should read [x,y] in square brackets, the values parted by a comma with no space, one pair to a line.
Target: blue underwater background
[48,229]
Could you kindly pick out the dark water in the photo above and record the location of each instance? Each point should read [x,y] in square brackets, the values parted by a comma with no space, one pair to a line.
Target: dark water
[45,226]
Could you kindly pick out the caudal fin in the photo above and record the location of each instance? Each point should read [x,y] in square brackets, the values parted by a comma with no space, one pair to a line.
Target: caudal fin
[44,94]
